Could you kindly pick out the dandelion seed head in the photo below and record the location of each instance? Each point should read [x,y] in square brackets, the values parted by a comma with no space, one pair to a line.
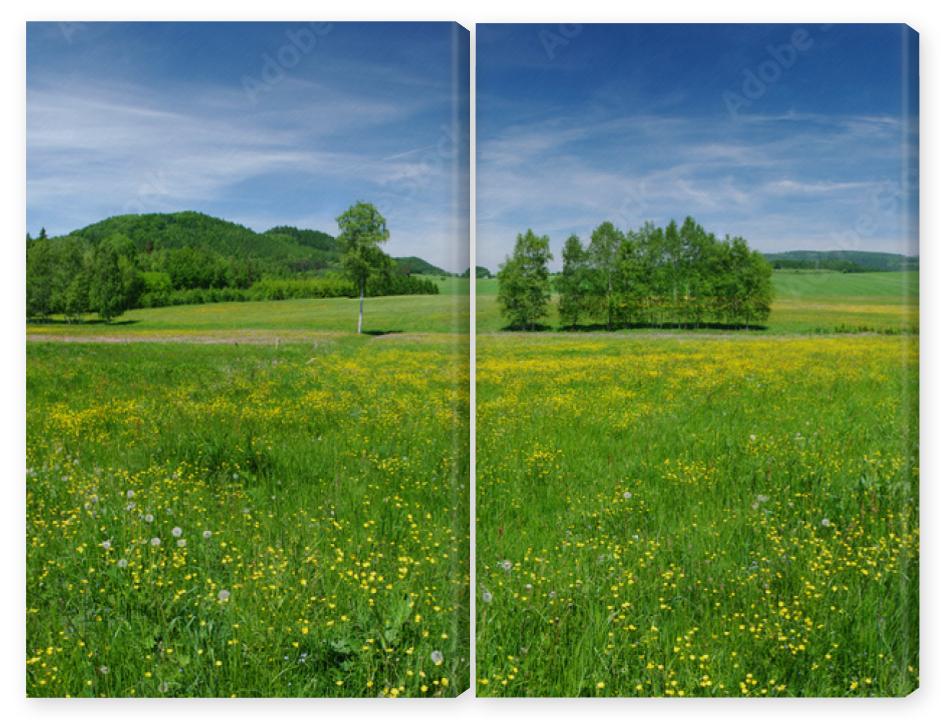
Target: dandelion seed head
[106,544]
[149,518]
[206,534]
[486,596]
[436,657]
[155,541]
[181,543]
[224,595]
[176,532]
[505,565]
[122,563]
[627,495]
[825,522]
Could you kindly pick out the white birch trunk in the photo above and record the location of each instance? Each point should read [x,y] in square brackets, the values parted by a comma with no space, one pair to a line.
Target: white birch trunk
[359,325]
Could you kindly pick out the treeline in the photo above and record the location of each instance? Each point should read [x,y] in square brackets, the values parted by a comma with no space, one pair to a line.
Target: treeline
[159,294]
[652,276]
[73,276]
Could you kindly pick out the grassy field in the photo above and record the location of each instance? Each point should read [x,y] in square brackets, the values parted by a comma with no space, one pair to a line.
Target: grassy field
[250,520]
[805,302]
[703,514]
[443,313]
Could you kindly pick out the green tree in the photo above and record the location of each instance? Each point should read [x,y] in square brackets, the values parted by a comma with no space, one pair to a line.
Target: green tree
[362,230]
[573,281]
[40,263]
[106,289]
[523,290]
[604,243]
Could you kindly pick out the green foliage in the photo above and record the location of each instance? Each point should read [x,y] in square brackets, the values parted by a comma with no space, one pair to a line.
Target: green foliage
[417,265]
[106,283]
[672,276]
[362,230]
[523,290]
[843,261]
[188,258]
[574,282]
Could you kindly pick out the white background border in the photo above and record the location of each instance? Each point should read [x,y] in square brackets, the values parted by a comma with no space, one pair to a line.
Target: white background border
[924,705]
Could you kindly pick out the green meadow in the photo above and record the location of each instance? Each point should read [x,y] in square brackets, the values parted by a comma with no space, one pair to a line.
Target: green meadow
[280,510]
[805,302]
[703,512]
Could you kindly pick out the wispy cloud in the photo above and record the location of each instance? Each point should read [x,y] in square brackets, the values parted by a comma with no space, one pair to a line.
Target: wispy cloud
[99,145]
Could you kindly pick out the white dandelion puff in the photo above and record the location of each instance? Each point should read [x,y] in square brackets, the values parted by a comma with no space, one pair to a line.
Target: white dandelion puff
[122,563]
[182,543]
[627,495]
[486,596]
[130,493]
[437,658]
[206,534]
[149,518]
[825,522]
[224,595]
[505,565]
[176,532]
[155,541]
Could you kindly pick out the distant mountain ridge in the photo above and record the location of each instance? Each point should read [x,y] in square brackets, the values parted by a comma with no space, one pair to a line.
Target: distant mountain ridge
[843,260]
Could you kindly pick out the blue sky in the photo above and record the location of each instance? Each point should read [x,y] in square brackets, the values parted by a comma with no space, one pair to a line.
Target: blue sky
[258,123]
[794,137]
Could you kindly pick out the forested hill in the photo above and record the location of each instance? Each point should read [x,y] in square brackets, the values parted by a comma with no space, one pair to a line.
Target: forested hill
[280,249]
[843,261]
[153,260]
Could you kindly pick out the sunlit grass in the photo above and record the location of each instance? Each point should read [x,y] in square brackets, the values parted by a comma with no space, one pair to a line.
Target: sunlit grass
[697,516]
[215,520]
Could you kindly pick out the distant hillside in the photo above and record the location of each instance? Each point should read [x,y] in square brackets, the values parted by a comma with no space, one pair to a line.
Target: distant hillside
[843,261]
[280,249]
[480,272]
[188,257]
[417,265]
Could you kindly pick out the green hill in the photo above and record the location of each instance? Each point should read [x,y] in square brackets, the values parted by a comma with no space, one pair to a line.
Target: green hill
[417,265]
[843,261]
[480,272]
[281,249]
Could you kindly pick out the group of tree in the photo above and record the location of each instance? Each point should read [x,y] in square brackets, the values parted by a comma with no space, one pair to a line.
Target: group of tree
[65,276]
[155,260]
[651,276]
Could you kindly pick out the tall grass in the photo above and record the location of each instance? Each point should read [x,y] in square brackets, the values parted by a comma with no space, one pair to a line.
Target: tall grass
[212,520]
[668,517]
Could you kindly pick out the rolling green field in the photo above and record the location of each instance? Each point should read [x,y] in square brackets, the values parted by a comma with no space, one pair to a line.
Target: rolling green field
[443,313]
[805,302]
[249,519]
[696,513]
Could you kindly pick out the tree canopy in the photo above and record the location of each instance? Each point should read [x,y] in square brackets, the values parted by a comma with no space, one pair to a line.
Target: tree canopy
[523,289]
[660,276]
